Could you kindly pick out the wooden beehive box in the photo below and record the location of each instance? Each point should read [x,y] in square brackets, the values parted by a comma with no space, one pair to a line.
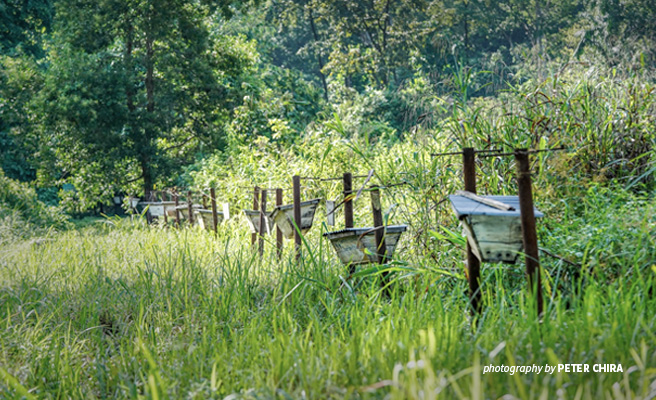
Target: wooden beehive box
[157,208]
[205,220]
[350,243]
[494,235]
[183,209]
[134,202]
[253,218]
[284,215]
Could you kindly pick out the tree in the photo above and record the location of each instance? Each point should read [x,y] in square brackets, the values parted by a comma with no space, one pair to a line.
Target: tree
[134,87]
[22,23]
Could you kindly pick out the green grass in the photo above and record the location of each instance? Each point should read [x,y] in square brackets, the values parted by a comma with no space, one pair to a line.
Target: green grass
[121,310]
[116,309]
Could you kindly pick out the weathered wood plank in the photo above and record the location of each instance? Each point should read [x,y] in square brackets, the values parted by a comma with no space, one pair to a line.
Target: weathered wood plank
[485,200]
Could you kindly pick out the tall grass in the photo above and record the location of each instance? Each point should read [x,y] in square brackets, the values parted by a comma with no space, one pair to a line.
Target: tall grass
[126,311]
[123,310]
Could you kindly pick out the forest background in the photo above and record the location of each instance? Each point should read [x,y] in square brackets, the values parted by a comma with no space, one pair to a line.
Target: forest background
[116,98]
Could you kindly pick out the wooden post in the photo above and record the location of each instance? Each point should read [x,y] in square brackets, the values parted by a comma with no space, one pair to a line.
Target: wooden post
[279,238]
[256,206]
[190,208]
[381,247]
[177,212]
[473,263]
[166,218]
[348,204]
[215,217]
[529,234]
[330,213]
[296,191]
[263,221]
[149,217]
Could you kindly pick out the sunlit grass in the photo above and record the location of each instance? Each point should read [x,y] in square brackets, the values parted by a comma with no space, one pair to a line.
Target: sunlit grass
[127,311]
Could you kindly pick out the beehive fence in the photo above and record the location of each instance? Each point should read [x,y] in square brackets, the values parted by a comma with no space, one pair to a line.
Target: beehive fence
[469,155]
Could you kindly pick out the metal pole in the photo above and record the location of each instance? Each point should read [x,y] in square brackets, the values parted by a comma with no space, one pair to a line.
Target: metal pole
[348,204]
[279,239]
[215,217]
[529,233]
[256,206]
[263,221]
[473,263]
[296,187]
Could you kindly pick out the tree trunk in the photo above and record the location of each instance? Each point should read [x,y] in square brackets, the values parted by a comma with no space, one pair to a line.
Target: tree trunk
[129,90]
[150,83]
[319,59]
[149,128]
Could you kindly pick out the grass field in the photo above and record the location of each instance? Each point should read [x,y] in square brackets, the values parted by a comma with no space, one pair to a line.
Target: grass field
[118,309]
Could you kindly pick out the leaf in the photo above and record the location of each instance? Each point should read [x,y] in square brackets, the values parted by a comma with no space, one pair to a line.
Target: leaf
[450,236]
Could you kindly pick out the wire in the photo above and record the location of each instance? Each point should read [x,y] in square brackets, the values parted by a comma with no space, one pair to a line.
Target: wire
[312,178]
[455,153]
[532,151]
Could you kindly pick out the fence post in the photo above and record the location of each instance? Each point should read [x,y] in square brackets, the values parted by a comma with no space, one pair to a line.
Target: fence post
[177,212]
[256,206]
[529,234]
[379,232]
[215,217]
[190,208]
[263,221]
[279,239]
[473,263]
[296,191]
[348,204]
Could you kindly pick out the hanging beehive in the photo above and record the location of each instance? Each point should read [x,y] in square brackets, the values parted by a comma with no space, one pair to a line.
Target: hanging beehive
[253,218]
[492,225]
[205,220]
[183,209]
[134,202]
[157,208]
[284,215]
[350,243]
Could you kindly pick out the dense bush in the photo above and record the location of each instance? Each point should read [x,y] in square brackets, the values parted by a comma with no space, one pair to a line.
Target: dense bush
[21,212]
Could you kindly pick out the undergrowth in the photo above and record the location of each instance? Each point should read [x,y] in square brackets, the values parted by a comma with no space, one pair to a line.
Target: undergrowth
[123,310]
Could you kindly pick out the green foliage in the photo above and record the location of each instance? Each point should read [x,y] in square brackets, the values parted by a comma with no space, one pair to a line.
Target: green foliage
[22,24]
[133,92]
[20,81]
[22,214]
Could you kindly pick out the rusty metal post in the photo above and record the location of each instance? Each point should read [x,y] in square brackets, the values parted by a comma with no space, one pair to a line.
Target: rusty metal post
[348,204]
[256,206]
[215,217]
[190,207]
[263,221]
[177,212]
[296,190]
[473,263]
[529,233]
[279,239]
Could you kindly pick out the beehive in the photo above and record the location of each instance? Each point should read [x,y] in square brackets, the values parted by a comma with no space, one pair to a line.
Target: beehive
[284,215]
[493,234]
[350,243]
